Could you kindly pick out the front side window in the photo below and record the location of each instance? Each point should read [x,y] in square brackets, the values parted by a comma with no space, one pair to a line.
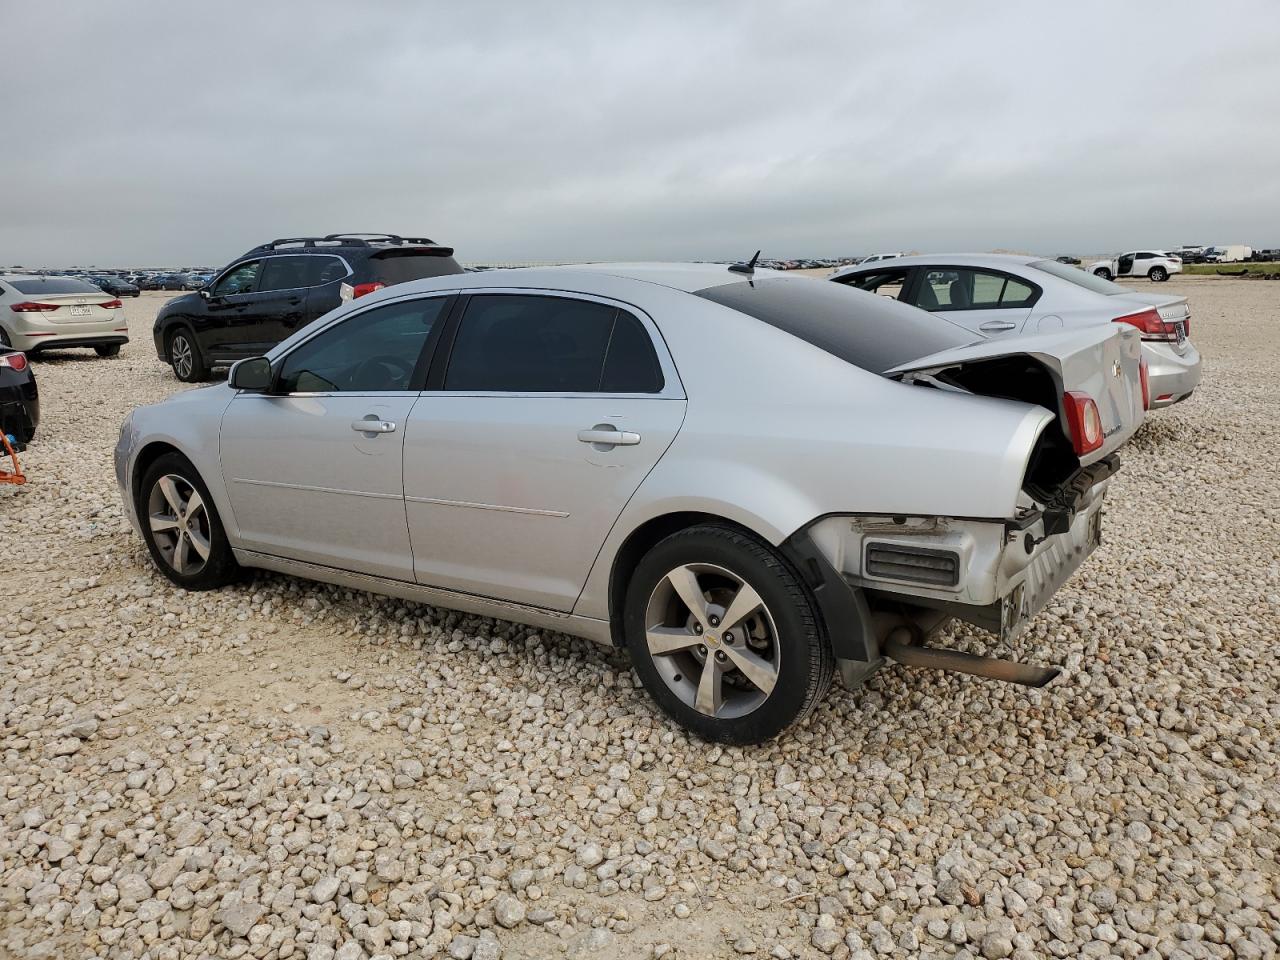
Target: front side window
[375,351]
[887,283]
[963,289]
[515,343]
[242,278]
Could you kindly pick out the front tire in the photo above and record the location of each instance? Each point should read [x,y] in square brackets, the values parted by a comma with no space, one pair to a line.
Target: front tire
[181,526]
[108,350]
[185,357]
[725,636]
[1104,273]
[1158,274]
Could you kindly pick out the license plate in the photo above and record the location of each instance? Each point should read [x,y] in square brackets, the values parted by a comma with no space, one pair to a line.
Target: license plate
[1180,332]
[81,310]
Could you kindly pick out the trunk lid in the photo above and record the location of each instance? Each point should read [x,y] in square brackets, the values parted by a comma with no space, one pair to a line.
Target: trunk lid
[77,307]
[1101,361]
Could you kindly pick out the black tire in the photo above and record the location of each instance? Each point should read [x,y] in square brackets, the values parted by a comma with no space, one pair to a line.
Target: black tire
[1104,273]
[108,350]
[220,567]
[189,365]
[802,656]
[1158,274]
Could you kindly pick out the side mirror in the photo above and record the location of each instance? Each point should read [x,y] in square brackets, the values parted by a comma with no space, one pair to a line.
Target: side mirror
[253,375]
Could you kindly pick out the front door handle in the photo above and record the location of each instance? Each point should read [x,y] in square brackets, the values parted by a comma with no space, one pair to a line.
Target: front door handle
[609,437]
[373,425]
[994,326]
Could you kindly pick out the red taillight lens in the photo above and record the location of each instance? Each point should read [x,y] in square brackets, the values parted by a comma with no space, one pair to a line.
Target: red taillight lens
[111,305]
[360,289]
[30,307]
[1186,325]
[14,361]
[1146,383]
[1084,423]
[1150,323]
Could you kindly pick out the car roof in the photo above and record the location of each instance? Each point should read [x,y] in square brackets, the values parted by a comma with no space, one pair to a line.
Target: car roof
[994,260]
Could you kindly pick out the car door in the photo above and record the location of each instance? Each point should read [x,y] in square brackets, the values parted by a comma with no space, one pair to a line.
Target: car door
[326,274]
[1132,264]
[313,468]
[224,329]
[540,424]
[278,308]
[988,302]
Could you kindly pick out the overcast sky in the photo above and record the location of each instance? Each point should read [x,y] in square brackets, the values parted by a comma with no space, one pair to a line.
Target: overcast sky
[173,133]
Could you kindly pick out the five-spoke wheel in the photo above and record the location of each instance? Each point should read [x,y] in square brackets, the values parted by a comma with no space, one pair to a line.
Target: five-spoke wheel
[181,526]
[725,636]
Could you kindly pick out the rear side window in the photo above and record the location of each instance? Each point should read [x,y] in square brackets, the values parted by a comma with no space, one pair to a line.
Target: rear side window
[398,266]
[960,289]
[54,285]
[515,343]
[868,331]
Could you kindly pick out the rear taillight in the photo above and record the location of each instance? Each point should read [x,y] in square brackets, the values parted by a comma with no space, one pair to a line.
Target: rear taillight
[30,307]
[360,289]
[1084,423]
[1186,325]
[1151,324]
[111,305]
[1146,383]
[14,361]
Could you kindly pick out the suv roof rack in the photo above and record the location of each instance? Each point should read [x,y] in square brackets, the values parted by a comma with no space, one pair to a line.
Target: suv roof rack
[343,239]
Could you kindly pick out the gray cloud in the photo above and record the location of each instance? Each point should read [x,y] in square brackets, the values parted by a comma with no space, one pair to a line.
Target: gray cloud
[163,133]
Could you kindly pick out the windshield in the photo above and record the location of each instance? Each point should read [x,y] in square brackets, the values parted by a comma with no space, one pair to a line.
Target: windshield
[869,331]
[1080,278]
[52,285]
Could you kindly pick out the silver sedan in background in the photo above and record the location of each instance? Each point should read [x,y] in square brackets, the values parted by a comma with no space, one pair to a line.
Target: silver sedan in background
[997,295]
[748,479]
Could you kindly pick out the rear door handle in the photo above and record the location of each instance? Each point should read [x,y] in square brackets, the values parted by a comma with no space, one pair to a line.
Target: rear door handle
[996,325]
[373,425]
[613,438]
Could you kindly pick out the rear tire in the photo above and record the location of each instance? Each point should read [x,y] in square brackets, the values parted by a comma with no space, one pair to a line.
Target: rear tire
[181,526]
[757,631]
[108,350]
[185,357]
[1158,274]
[1104,273]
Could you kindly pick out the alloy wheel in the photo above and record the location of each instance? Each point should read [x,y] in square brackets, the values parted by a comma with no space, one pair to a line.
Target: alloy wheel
[712,640]
[180,355]
[179,522]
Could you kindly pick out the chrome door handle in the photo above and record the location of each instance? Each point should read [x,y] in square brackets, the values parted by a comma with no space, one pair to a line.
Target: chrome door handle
[373,425]
[613,438]
[995,325]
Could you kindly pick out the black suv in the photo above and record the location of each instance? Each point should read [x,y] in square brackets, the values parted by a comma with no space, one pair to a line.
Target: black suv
[278,288]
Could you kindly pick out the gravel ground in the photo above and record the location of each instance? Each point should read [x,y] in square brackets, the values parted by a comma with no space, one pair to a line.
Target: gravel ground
[284,769]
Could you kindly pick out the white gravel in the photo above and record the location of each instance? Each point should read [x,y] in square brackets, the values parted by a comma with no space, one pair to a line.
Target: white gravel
[283,769]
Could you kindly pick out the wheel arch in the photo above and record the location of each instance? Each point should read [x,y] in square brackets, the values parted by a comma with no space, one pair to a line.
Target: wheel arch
[143,460]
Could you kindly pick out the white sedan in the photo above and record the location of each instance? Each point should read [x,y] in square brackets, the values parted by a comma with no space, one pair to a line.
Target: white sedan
[997,295]
[49,313]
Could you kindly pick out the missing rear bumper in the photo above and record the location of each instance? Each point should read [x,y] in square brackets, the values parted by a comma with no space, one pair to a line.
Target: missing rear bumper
[900,646]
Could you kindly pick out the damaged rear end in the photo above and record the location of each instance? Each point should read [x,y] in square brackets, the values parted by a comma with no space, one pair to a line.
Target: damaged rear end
[914,573]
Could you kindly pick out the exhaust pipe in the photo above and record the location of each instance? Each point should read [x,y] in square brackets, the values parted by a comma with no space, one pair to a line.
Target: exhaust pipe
[899,645]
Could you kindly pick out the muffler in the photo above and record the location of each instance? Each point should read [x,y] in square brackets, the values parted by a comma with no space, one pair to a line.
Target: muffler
[901,647]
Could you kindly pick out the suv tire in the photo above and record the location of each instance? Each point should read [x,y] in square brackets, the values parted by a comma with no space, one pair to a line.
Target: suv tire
[181,526]
[1104,273]
[751,661]
[185,357]
[1158,274]
[108,350]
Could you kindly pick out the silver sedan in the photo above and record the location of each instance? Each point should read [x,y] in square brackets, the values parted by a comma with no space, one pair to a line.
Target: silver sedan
[749,480]
[997,295]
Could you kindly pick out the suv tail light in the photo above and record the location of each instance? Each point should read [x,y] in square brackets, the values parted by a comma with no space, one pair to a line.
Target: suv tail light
[30,307]
[1146,383]
[1151,324]
[1084,423]
[14,361]
[360,289]
[111,305]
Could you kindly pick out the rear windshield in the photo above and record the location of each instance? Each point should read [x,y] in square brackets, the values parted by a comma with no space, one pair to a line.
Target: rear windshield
[869,331]
[397,266]
[1081,278]
[50,285]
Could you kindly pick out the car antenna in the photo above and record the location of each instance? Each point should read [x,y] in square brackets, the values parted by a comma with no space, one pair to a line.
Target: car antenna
[748,267]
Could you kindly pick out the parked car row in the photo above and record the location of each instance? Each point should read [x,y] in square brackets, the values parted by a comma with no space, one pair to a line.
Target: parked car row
[876,468]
